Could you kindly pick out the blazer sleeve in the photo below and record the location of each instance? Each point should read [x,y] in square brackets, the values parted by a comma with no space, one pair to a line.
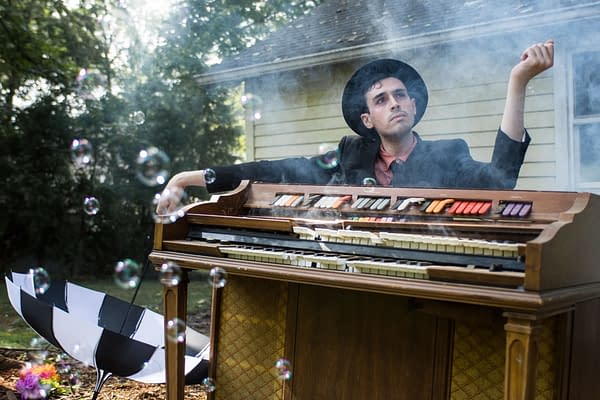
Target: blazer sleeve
[301,170]
[503,170]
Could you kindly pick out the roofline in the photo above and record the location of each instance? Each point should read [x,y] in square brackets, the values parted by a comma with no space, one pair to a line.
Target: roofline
[402,43]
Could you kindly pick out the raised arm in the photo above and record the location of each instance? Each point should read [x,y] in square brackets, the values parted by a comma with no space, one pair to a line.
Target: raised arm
[534,60]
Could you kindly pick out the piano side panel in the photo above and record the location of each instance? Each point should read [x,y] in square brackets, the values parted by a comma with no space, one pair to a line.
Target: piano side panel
[585,351]
[566,253]
[479,357]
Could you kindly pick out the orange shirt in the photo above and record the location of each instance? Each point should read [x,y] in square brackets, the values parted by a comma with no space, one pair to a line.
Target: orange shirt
[383,172]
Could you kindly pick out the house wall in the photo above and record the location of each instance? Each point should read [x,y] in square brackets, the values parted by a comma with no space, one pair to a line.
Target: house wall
[300,111]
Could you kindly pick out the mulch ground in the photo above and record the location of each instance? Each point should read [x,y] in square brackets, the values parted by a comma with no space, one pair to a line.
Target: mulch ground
[12,360]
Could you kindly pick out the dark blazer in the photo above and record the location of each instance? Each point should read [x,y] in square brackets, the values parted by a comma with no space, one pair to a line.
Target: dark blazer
[439,163]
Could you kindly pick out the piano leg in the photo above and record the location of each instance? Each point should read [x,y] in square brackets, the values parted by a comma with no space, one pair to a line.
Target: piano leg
[522,344]
[175,306]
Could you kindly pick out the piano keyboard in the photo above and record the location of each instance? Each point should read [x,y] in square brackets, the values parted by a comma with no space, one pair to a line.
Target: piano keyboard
[379,266]
[446,244]
[383,253]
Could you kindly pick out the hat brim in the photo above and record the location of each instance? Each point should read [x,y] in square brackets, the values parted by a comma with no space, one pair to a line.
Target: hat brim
[353,98]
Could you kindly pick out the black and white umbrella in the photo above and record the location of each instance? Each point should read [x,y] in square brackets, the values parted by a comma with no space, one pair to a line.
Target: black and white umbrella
[115,336]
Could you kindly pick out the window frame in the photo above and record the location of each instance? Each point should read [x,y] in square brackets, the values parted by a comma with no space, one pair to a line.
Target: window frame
[574,122]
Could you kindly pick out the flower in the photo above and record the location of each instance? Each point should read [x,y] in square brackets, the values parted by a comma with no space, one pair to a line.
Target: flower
[29,387]
[38,381]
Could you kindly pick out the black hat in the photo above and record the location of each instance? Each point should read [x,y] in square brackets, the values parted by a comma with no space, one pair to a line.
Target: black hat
[353,98]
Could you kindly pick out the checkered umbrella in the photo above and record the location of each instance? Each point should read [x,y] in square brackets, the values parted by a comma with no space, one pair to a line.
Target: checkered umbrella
[115,336]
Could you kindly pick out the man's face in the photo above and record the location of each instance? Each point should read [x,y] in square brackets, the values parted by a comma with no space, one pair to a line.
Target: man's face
[391,110]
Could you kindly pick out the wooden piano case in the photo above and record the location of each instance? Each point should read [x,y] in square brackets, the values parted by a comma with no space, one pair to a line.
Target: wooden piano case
[348,344]
[362,336]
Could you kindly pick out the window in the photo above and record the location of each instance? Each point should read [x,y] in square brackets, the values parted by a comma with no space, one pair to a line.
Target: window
[586,119]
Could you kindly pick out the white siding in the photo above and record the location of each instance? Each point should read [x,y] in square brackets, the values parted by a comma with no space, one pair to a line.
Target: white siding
[301,112]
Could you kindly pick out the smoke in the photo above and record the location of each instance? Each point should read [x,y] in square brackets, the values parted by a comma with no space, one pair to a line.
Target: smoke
[464,50]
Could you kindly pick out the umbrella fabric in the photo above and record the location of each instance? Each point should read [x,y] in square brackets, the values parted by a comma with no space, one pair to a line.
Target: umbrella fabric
[117,338]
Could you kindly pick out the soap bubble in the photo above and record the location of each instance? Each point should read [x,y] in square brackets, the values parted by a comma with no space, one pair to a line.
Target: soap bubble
[63,364]
[91,205]
[41,279]
[38,343]
[40,350]
[251,100]
[210,176]
[209,385]
[328,156]
[170,274]
[137,117]
[91,84]
[369,181]
[176,330]
[217,277]
[127,273]
[152,166]
[167,206]
[81,152]
[253,105]
[283,368]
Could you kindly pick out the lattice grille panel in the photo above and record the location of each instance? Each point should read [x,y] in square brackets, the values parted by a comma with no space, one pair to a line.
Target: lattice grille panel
[478,362]
[251,338]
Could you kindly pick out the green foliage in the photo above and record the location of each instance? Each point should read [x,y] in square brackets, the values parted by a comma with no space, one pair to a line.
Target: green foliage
[43,41]
[46,102]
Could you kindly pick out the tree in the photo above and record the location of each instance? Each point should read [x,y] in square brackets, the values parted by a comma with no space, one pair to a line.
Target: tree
[87,72]
[43,45]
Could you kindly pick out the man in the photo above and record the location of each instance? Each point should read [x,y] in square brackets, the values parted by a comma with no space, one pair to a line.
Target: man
[382,102]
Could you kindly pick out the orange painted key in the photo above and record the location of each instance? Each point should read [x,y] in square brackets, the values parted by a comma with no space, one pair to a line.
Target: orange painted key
[432,206]
[469,207]
[461,207]
[338,203]
[476,207]
[441,205]
[454,207]
[485,208]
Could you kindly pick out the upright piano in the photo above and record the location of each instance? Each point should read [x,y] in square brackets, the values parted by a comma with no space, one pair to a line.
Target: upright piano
[386,293]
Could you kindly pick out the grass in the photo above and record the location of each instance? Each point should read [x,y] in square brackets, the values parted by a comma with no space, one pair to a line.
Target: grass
[15,333]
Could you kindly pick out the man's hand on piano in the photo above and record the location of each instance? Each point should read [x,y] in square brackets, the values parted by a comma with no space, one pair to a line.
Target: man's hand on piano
[170,197]
[169,201]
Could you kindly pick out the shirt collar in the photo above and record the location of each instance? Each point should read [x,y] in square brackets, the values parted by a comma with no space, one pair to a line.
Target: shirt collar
[388,158]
